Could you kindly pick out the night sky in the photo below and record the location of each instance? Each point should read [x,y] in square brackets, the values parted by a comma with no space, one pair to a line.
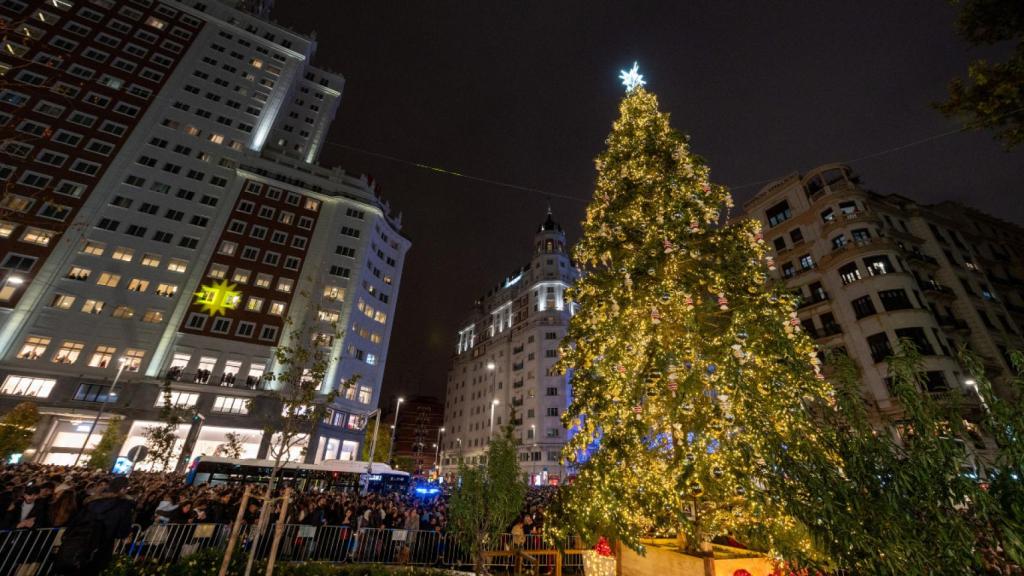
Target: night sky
[525,92]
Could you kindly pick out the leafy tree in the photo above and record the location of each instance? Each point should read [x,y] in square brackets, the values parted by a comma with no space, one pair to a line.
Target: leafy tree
[992,96]
[301,366]
[405,463]
[16,429]
[162,440]
[488,498]
[234,445]
[104,453]
[690,374]
[380,450]
[898,500]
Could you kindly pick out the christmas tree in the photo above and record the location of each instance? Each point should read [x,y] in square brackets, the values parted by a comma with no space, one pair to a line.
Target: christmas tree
[691,378]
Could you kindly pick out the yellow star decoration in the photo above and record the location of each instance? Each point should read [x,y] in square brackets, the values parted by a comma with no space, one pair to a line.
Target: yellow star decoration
[219,297]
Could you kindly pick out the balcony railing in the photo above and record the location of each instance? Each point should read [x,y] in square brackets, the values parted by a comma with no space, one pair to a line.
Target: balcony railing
[935,288]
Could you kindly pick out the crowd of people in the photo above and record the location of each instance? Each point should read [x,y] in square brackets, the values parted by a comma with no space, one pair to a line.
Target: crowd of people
[34,496]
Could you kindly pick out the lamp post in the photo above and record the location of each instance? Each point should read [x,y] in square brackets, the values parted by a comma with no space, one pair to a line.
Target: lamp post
[394,428]
[490,432]
[437,451]
[121,363]
[373,446]
[459,440]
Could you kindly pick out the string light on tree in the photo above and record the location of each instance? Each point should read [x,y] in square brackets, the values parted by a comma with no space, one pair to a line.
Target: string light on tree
[689,378]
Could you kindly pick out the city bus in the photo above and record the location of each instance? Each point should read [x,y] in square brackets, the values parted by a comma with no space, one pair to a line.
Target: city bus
[329,475]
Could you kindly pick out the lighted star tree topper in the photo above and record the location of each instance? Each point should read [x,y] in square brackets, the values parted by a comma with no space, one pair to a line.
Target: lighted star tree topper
[690,374]
[217,298]
[632,78]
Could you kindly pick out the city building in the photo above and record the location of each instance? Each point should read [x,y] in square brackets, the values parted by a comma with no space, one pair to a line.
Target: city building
[420,419]
[502,368]
[871,269]
[163,217]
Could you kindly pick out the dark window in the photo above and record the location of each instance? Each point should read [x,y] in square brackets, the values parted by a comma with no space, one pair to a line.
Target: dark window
[863,307]
[780,243]
[93,393]
[880,347]
[895,299]
[796,235]
[778,214]
[860,235]
[787,270]
[849,207]
[806,262]
[838,242]
[918,337]
[935,381]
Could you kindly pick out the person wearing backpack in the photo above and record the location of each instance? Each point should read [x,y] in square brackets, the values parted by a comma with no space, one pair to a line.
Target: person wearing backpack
[87,545]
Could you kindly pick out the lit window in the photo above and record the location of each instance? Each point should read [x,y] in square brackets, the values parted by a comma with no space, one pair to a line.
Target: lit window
[6,229]
[68,352]
[365,394]
[231,405]
[123,311]
[138,285]
[178,399]
[177,265]
[151,260]
[93,248]
[27,386]
[254,304]
[285,284]
[62,301]
[37,236]
[102,356]
[133,359]
[371,359]
[335,293]
[241,276]
[33,348]
[328,315]
[166,290]
[276,308]
[263,280]
[156,23]
[78,273]
[123,254]
[227,248]
[153,317]
[92,307]
[218,271]
[109,280]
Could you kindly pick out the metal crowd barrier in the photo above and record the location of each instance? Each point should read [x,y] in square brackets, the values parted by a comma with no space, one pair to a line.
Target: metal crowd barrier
[30,552]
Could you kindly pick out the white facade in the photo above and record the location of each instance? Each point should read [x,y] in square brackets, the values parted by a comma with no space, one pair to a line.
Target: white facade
[503,361]
[215,181]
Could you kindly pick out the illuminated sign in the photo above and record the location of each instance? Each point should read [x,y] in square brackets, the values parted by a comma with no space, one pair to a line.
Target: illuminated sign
[217,298]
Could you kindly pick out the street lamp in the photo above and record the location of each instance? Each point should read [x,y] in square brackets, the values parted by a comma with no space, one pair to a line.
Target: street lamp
[394,428]
[490,432]
[437,451]
[121,363]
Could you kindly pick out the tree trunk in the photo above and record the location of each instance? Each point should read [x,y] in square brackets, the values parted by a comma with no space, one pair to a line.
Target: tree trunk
[233,540]
[260,525]
[278,531]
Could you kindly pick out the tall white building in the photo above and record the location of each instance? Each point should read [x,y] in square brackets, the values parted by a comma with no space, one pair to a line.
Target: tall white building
[154,148]
[502,368]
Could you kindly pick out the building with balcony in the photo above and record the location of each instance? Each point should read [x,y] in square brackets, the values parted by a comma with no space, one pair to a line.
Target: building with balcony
[162,208]
[502,369]
[871,269]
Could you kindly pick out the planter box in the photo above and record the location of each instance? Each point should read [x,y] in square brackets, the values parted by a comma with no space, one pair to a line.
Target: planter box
[664,559]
